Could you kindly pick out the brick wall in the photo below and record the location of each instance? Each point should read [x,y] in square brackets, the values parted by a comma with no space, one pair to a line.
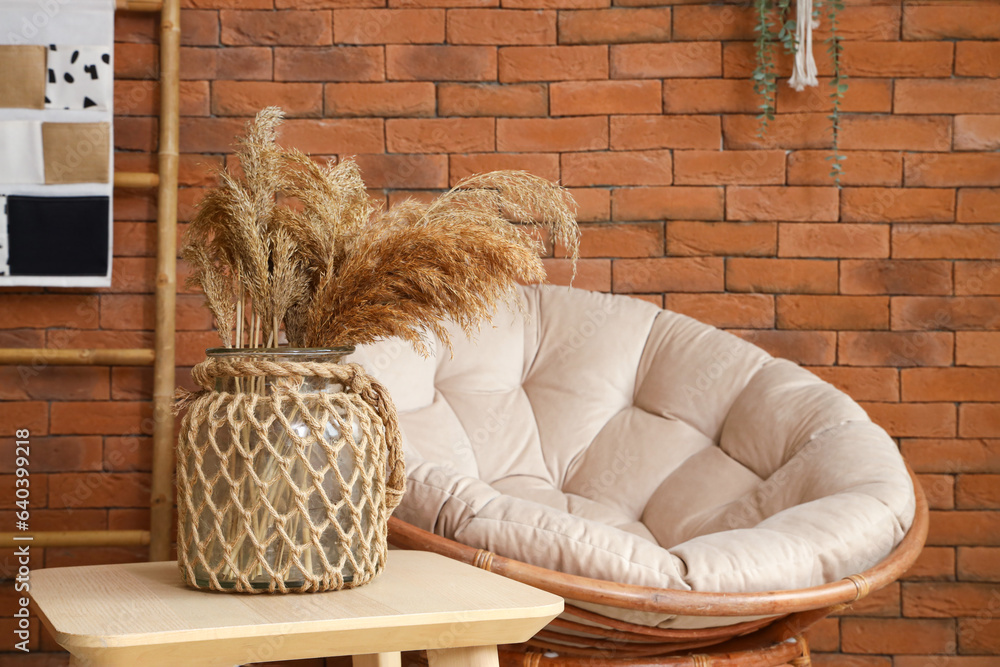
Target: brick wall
[888,287]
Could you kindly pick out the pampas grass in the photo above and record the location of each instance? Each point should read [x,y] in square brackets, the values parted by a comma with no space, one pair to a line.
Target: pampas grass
[297,246]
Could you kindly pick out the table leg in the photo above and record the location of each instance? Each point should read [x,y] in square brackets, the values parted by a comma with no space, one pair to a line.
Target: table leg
[471,656]
[377,660]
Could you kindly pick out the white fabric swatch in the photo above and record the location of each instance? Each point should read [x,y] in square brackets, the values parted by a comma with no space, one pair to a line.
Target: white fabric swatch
[79,77]
[21,158]
[57,21]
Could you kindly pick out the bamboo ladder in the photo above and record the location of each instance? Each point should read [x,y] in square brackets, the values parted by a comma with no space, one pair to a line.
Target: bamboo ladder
[161,357]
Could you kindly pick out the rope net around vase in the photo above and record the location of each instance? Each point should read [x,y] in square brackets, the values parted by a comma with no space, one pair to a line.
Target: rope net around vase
[261,490]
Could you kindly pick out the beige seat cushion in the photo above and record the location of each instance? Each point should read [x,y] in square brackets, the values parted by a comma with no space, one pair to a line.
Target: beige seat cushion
[605,437]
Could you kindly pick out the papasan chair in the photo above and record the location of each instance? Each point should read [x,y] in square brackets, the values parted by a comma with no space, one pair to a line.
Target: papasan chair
[695,500]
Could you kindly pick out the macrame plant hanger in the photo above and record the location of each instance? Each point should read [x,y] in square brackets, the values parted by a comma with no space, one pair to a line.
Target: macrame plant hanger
[804,72]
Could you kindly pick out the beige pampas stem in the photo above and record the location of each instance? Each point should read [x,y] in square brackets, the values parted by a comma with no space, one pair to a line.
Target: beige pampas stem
[299,244]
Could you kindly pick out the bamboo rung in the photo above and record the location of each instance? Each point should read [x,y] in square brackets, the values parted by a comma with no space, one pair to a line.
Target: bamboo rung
[139,5]
[136,179]
[77,538]
[54,357]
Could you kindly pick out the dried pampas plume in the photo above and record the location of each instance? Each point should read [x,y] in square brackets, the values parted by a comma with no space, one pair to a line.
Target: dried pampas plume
[298,245]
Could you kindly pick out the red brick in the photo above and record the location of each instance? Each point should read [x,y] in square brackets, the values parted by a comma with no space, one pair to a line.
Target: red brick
[966,528]
[801,311]
[957,384]
[75,490]
[977,277]
[25,382]
[933,564]
[142,98]
[946,241]
[709,96]
[980,635]
[824,635]
[276,28]
[881,603]
[863,95]
[719,22]
[979,563]
[137,311]
[666,60]
[404,171]
[644,132]
[441,63]
[618,25]
[380,99]
[977,420]
[439,135]
[576,98]
[199,28]
[137,61]
[551,134]
[941,21]
[232,62]
[30,415]
[22,338]
[862,383]
[918,420]
[893,348]
[742,311]
[978,205]
[895,277]
[977,492]
[76,311]
[245,98]
[553,63]
[637,239]
[330,64]
[948,313]
[545,165]
[947,96]
[782,203]
[977,348]
[897,205]
[730,167]
[135,134]
[945,600]
[953,456]
[668,274]
[487,99]
[869,22]
[884,132]
[802,347]
[977,59]
[558,4]
[839,660]
[56,454]
[501,26]
[593,204]
[672,203]
[955,169]
[591,274]
[739,60]
[443,3]
[977,133]
[799,276]
[617,168]
[388,26]
[98,417]
[128,453]
[797,130]
[722,238]
[859,168]
[898,59]
[131,383]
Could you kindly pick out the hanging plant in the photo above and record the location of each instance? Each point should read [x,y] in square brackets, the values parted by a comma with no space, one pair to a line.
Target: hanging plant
[777,24]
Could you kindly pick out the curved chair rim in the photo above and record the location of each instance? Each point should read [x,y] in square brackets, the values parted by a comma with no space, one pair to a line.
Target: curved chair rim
[680,602]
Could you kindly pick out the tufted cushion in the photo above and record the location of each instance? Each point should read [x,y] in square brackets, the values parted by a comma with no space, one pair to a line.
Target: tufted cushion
[605,437]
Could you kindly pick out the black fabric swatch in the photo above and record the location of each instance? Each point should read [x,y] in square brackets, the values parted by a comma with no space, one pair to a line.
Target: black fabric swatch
[57,236]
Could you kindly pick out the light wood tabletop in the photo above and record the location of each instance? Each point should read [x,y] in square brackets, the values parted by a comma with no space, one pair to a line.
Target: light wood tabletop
[142,614]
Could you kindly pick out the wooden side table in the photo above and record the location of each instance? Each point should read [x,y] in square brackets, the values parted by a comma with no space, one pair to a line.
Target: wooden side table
[143,615]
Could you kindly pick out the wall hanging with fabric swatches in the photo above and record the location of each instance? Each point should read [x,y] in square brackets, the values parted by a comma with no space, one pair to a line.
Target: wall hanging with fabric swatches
[56,142]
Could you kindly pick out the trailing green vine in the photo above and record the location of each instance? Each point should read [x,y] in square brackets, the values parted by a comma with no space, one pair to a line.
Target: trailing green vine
[776,23]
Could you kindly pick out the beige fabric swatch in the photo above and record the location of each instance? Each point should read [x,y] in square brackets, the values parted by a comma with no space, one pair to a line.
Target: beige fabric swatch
[76,152]
[22,77]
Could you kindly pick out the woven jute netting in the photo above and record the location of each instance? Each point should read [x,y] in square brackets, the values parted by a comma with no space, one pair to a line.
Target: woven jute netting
[281,489]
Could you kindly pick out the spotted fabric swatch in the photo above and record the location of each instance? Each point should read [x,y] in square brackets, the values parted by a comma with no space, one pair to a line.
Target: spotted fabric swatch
[79,77]
[57,236]
[76,152]
[22,77]
[21,156]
